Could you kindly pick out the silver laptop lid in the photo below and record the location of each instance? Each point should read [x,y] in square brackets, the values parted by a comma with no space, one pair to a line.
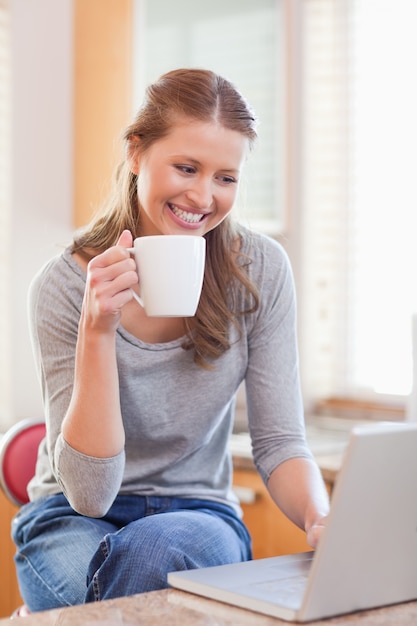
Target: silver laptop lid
[368,553]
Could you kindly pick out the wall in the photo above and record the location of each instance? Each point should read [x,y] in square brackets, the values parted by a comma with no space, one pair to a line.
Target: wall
[41,214]
[71,69]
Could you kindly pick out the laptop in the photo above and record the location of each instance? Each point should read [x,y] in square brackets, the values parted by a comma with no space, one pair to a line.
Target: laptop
[367,556]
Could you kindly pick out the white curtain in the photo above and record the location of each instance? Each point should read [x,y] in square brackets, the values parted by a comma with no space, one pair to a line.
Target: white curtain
[359,197]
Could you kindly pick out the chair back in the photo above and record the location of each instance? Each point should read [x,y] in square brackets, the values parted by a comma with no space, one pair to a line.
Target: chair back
[18,455]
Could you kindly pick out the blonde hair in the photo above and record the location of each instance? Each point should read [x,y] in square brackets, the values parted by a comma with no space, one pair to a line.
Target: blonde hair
[204,96]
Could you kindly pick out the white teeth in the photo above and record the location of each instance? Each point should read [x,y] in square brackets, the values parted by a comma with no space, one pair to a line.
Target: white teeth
[192,218]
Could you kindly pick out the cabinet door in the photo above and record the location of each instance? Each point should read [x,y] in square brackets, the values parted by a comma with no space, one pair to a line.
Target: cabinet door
[102,97]
[272,532]
[9,592]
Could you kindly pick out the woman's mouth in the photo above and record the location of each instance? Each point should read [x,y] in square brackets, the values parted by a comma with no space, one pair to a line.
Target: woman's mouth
[186,216]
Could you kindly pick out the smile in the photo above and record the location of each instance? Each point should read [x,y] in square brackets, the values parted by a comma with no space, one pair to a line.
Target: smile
[186,216]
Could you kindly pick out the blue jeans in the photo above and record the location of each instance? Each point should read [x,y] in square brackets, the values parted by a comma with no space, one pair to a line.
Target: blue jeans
[64,558]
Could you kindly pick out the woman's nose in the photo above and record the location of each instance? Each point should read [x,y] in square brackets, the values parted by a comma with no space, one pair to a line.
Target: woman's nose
[200,193]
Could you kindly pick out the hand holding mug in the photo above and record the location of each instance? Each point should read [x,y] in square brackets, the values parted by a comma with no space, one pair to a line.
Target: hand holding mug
[110,275]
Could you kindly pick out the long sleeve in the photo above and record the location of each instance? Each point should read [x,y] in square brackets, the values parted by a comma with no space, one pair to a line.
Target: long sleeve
[274,402]
[54,309]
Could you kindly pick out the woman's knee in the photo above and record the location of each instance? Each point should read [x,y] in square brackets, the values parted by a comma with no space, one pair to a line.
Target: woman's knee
[138,557]
[53,553]
[186,538]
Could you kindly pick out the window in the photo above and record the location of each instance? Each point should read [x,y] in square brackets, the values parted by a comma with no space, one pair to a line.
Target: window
[243,41]
[384,194]
[331,82]
[359,197]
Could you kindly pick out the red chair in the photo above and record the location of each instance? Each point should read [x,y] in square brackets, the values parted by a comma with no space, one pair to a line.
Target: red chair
[18,454]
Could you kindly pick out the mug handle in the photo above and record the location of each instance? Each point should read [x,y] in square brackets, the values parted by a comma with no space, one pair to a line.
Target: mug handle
[134,294]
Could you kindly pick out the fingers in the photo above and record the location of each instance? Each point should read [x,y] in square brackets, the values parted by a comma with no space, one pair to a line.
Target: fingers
[125,239]
[110,276]
[116,253]
[315,532]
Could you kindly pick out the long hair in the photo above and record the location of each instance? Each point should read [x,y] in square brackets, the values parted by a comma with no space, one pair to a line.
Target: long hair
[204,96]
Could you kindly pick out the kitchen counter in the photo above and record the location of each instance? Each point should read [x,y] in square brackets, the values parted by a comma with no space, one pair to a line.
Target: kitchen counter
[326,436]
[178,608]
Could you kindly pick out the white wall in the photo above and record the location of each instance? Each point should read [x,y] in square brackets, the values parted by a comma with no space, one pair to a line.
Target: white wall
[41,211]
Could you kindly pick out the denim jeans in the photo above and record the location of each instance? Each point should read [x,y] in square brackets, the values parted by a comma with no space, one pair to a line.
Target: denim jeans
[64,558]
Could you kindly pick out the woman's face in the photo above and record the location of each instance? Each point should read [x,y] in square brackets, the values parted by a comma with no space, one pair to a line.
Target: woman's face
[188,180]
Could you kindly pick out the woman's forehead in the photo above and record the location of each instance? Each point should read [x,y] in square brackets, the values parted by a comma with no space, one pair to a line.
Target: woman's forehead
[197,137]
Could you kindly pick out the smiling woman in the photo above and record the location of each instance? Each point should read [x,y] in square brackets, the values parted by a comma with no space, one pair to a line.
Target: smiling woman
[138,408]
[180,159]
[197,183]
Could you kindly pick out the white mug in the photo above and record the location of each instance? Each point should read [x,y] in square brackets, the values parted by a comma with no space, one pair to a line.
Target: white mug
[171,271]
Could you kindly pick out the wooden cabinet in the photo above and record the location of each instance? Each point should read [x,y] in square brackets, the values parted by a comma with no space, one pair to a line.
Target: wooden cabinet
[9,592]
[103,77]
[272,532]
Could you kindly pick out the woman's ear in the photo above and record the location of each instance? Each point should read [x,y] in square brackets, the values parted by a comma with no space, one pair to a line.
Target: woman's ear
[133,152]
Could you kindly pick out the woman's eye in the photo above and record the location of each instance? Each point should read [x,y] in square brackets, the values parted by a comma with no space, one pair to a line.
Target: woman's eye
[186,169]
[228,180]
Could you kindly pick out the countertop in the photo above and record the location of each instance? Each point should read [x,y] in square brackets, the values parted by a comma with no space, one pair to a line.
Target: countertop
[326,436]
[178,608]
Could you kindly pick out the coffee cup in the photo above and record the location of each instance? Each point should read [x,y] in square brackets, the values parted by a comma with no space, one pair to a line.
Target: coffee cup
[171,271]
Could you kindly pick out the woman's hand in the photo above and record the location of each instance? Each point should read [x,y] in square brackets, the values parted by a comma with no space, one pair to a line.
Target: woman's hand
[110,276]
[315,532]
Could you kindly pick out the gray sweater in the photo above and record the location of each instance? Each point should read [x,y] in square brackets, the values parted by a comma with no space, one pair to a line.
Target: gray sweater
[177,416]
